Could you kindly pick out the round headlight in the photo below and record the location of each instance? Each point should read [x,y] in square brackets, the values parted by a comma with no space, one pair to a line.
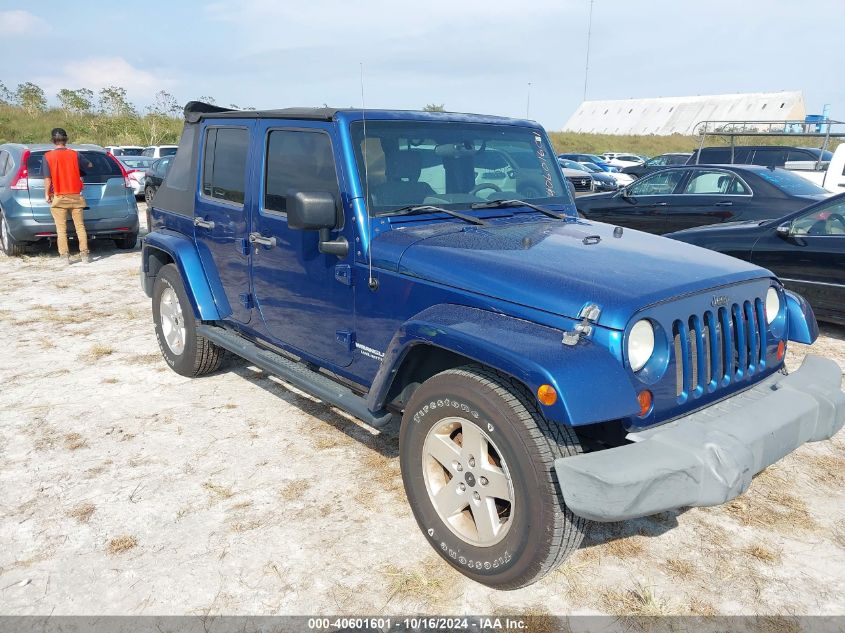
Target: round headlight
[640,344]
[772,305]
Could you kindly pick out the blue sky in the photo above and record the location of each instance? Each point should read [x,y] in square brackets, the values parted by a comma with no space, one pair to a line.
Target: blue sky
[475,56]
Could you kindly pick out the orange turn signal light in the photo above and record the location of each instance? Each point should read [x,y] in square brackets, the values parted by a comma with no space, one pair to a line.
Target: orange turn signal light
[645,398]
[547,395]
[781,350]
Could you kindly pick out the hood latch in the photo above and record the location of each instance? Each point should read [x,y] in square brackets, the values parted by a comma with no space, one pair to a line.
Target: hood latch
[589,314]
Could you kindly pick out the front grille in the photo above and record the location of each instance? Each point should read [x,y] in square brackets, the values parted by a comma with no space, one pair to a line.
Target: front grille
[718,348]
[581,183]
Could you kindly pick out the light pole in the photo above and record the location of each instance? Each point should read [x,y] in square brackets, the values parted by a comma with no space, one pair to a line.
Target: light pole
[587,65]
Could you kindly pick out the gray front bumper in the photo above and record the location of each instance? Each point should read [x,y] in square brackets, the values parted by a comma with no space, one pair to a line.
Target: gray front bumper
[709,456]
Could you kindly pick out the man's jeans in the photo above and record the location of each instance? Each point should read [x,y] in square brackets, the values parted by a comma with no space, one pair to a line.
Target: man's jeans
[60,206]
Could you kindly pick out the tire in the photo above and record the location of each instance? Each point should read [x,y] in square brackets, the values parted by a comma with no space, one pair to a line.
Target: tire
[127,243]
[171,310]
[532,533]
[9,244]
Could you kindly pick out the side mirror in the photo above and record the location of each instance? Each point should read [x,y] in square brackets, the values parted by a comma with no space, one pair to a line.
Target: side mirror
[316,211]
[784,230]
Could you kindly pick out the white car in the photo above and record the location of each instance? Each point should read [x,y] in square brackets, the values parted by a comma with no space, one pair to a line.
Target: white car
[625,160]
[136,171]
[623,180]
[124,150]
[157,151]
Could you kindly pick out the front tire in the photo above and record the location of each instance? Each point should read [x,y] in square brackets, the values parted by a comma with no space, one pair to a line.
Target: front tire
[477,460]
[10,245]
[187,353]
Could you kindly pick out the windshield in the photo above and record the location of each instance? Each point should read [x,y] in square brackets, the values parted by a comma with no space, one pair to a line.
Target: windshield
[790,183]
[136,162]
[453,165]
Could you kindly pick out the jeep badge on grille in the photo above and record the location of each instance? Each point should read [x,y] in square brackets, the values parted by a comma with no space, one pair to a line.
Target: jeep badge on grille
[718,301]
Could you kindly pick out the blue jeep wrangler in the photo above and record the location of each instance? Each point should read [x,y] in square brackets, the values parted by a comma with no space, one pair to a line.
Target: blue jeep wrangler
[548,371]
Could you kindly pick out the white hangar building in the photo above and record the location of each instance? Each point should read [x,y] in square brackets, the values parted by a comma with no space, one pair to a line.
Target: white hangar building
[679,115]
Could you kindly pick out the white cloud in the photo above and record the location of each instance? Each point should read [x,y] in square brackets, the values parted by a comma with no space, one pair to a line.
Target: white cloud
[99,72]
[19,22]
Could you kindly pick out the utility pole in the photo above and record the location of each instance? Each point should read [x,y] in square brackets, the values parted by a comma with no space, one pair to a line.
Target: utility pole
[528,103]
[587,65]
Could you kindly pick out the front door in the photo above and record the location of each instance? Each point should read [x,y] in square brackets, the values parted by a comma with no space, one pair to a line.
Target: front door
[220,220]
[302,294]
[811,260]
[643,204]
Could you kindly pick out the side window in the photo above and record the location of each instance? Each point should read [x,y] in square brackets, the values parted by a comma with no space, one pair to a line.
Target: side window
[297,161]
[770,157]
[829,220]
[661,183]
[224,164]
[147,152]
[706,182]
[4,163]
[657,162]
[800,155]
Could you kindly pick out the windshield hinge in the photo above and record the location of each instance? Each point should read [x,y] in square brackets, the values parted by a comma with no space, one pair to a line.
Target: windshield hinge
[589,314]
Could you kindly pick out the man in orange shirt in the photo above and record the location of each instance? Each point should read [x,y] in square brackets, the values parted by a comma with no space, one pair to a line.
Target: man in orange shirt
[63,190]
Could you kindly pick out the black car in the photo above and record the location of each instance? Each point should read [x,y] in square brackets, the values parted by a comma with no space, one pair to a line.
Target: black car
[677,198]
[765,155]
[805,249]
[154,176]
[658,162]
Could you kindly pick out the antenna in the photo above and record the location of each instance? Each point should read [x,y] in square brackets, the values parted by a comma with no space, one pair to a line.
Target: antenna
[528,103]
[372,282]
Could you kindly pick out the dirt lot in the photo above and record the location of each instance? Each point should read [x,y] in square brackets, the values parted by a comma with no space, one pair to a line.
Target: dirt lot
[126,489]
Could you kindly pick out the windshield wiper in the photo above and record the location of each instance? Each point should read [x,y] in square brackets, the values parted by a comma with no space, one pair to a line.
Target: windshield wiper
[417,209]
[494,204]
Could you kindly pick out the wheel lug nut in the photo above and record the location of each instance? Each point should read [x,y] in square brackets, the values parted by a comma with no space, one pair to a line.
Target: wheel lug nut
[462,486]
[458,466]
[472,462]
[483,481]
[476,496]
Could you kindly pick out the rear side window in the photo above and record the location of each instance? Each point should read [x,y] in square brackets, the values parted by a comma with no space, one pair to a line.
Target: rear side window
[715,183]
[297,161]
[96,167]
[770,157]
[224,163]
[167,151]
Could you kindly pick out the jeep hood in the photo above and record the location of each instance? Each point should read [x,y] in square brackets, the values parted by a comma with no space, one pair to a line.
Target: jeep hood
[558,267]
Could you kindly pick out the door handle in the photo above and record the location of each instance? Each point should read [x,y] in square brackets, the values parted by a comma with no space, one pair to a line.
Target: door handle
[661,204]
[725,203]
[257,238]
[203,224]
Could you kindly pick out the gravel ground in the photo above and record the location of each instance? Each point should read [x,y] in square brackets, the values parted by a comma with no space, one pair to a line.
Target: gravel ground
[127,489]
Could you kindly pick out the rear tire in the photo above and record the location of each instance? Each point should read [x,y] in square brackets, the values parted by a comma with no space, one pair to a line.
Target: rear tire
[10,245]
[187,353]
[462,507]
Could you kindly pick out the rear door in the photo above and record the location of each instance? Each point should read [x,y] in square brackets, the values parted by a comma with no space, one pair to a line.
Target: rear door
[303,295]
[104,190]
[221,222]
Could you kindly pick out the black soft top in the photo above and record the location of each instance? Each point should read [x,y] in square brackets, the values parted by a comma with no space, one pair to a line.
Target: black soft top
[197,110]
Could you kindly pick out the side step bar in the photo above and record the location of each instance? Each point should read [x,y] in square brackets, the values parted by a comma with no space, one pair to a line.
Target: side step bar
[297,374]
